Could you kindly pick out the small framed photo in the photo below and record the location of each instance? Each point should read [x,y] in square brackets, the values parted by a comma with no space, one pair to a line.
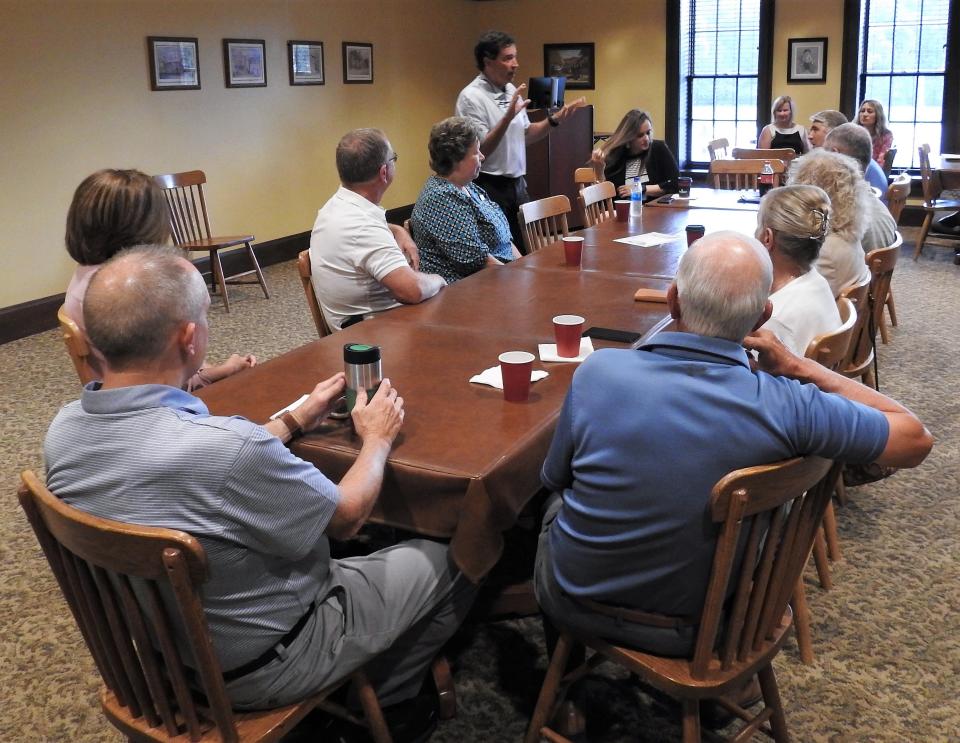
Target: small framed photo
[173,63]
[807,60]
[357,62]
[244,63]
[572,61]
[306,62]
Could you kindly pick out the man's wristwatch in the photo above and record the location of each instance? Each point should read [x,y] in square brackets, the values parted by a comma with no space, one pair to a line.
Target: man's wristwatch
[292,424]
[553,120]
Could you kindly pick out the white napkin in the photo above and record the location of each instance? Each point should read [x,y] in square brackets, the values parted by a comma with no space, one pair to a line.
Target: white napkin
[649,239]
[290,408]
[494,378]
[548,351]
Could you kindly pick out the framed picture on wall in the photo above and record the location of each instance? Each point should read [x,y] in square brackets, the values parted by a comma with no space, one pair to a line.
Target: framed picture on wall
[357,62]
[245,63]
[306,62]
[807,60]
[173,63]
[572,61]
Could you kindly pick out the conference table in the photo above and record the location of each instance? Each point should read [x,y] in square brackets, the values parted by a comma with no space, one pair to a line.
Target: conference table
[466,462]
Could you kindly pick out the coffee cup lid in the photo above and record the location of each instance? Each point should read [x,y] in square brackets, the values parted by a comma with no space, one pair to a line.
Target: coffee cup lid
[360,353]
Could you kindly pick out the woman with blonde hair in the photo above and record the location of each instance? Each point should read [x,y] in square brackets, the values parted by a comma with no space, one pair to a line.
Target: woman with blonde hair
[872,118]
[783,131]
[632,152]
[112,210]
[841,261]
[792,224]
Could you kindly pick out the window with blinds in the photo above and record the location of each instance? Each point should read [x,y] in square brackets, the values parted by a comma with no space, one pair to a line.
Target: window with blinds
[719,59]
[903,53]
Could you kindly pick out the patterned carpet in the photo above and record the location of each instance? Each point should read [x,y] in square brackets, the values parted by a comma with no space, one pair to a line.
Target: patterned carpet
[886,636]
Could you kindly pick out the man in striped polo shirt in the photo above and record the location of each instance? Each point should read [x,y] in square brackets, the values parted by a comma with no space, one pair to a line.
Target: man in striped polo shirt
[285,618]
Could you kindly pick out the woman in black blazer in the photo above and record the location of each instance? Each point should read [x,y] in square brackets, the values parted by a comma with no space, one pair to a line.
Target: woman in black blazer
[632,151]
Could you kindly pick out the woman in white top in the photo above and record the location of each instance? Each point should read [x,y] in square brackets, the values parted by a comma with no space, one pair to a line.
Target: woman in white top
[841,261]
[792,224]
[783,131]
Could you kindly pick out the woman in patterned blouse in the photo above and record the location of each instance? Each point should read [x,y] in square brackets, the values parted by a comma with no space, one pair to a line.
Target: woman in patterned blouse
[457,228]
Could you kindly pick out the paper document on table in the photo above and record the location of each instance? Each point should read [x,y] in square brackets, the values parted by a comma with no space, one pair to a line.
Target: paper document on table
[290,408]
[649,239]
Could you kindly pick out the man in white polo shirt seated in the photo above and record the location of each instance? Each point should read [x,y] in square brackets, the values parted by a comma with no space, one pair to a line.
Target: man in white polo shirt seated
[360,264]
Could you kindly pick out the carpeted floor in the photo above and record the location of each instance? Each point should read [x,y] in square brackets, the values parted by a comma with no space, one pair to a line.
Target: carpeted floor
[886,637]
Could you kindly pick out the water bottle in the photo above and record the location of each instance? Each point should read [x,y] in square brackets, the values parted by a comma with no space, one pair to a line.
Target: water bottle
[361,363]
[766,178]
[636,198]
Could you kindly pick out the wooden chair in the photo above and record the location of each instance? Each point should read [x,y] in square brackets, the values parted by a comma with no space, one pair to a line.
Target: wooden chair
[897,193]
[303,266]
[742,174]
[830,350]
[748,153]
[191,230]
[932,204]
[597,201]
[882,262]
[77,346]
[544,221]
[128,586]
[584,177]
[733,644]
[859,361]
[718,148]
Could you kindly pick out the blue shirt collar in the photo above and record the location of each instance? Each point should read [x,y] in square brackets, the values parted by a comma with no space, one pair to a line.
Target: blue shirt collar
[96,400]
[697,347]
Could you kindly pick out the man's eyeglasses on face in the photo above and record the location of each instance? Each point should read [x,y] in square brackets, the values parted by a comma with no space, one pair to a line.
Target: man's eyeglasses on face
[392,159]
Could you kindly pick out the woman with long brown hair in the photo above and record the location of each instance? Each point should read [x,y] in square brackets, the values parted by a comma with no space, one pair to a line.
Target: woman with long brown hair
[632,152]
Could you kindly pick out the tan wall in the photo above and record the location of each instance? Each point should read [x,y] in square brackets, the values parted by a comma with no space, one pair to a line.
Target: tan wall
[75,97]
[802,20]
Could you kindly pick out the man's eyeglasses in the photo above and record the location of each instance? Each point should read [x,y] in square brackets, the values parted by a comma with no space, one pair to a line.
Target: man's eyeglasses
[392,159]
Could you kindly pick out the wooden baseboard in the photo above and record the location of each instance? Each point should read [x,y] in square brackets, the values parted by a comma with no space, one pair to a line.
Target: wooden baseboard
[38,315]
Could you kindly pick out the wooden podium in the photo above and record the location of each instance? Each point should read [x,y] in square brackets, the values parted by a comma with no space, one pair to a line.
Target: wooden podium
[552,161]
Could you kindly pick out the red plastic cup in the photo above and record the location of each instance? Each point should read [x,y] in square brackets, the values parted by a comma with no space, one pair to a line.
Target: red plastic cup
[567,329]
[573,250]
[694,233]
[515,366]
[622,207]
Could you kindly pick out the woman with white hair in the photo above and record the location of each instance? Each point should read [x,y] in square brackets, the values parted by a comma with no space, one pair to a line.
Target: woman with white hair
[841,261]
[792,224]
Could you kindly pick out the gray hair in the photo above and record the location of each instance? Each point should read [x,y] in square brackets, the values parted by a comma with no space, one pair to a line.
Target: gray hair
[830,117]
[799,217]
[450,141]
[138,299]
[360,155]
[723,283]
[852,140]
[840,176]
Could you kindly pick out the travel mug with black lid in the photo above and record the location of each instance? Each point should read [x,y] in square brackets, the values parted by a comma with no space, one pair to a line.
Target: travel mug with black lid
[361,364]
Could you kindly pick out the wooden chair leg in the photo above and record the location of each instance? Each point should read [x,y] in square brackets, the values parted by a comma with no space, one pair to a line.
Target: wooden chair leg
[830,532]
[882,327]
[841,491]
[821,562]
[548,692]
[771,700]
[256,267]
[217,268]
[801,623]
[372,712]
[927,221]
[891,308]
[691,721]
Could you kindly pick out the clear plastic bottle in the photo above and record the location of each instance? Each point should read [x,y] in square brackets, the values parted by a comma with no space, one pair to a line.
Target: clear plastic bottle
[766,177]
[636,198]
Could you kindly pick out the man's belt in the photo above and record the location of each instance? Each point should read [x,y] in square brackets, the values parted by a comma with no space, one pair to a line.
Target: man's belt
[635,616]
[285,642]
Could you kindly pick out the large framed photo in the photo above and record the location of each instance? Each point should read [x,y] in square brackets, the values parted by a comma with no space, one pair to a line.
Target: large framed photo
[807,60]
[244,63]
[573,61]
[306,62]
[357,62]
[173,63]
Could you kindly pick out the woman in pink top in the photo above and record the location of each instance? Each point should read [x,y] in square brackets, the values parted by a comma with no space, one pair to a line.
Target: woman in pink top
[872,118]
[112,210]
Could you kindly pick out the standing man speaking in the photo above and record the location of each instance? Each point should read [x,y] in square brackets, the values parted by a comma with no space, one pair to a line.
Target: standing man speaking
[498,107]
